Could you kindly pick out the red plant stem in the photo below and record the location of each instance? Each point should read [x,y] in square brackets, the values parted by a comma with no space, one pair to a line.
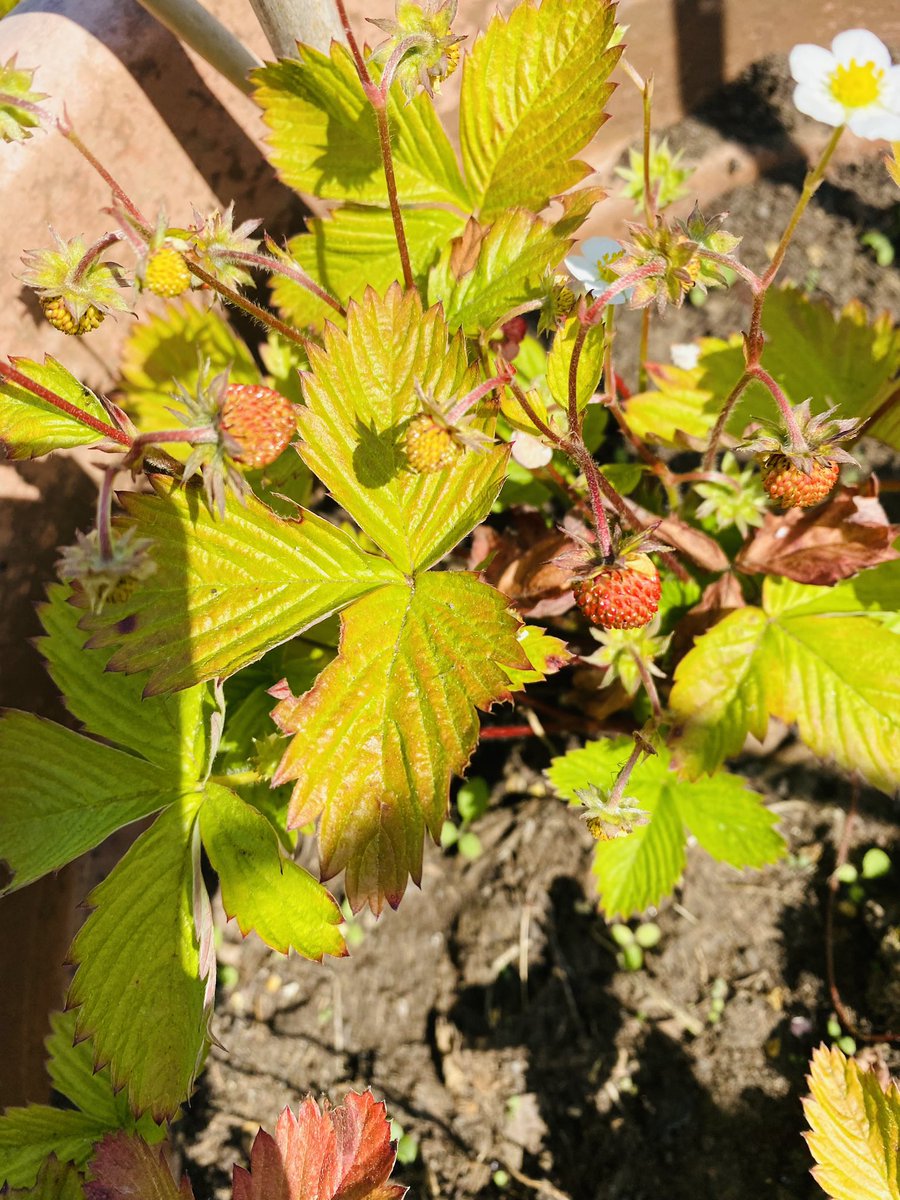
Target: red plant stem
[91,255]
[268,262]
[26,105]
[254,310]
[709,458]
[757,372]
[472,398]
[646,105]
[725,260]
[526,406]
[506,731]
[202,434]
[833,886]
[118,191]
[104,512]
[37,389]
[378,99]
[618,788]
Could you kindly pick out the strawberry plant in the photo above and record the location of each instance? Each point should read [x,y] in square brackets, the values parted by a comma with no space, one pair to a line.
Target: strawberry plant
[317,572]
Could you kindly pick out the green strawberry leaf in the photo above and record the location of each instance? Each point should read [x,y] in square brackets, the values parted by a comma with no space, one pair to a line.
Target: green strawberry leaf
[535,80]
[168,347]
[62,794]
[360,394]
[546,654]
[324,137]
[144,1008]
[226,591]
[264,891]
[590,365]
[488,271]
[425,657]
[816,657]
[55,1181]
[637,870]
[28,1136]
[30,427]
[170,731]
[854,1128]
[355,248]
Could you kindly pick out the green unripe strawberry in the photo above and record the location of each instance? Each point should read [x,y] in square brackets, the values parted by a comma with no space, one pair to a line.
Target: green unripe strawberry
[60,317]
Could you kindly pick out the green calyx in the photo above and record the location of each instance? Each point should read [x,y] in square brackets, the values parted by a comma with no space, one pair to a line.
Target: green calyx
[19,111]
[69,275]
[422,35]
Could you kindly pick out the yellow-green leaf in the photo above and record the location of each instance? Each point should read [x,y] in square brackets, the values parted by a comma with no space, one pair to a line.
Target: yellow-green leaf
[356,248]
[855,1129]
[263,890]
[360,394]
[324,137]
[590,365]
[30,427]
[227,590]
[533,92]
[390,720]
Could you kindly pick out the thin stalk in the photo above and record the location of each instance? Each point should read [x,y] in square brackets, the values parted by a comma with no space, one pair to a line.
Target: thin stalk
[618,789]
[37,389]
[361,67]
[644,349]
[526,407]
[254,310]
[268,262]
[797,439]
[649,199]
[709,458]
[579,452]
[648,682]
[117,190]
[390,67]
[472,398]
[725,260]
[7,100]
[810,186]
[94,252]
[104,512]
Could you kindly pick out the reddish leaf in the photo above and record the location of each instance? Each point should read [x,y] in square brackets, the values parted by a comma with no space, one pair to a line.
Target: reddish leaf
[342,1153]
[124,1167]
[823,545]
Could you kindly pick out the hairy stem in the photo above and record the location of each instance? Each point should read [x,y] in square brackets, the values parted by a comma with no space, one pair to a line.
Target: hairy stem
[268,262]
[72,410]
[796,435]
[262,315]
[709,458]
[94,252]
[648,682]
[472,398]
[641,748]
[387,158]
[104,512]
[117,190]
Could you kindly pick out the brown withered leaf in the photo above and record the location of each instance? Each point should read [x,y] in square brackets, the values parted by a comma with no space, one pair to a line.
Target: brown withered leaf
[696,544]
[518,563]
[467,247]
[826,544]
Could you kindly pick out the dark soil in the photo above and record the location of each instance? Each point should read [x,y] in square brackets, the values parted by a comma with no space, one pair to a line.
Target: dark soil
[489,1011]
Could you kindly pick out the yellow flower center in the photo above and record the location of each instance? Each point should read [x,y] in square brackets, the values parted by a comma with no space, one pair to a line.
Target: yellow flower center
[605,273]
[856,85]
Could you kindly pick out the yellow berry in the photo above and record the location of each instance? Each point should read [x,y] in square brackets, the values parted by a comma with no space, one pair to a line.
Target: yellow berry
[430,446]
[58,314]
[167,273]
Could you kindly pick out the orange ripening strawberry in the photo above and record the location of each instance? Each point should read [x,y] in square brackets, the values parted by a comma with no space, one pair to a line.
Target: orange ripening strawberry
[791,487]
[259,420]
[620,596]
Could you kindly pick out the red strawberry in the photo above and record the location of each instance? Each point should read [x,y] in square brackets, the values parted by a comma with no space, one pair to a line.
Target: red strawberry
[620,597]
[792,487]
[261,421]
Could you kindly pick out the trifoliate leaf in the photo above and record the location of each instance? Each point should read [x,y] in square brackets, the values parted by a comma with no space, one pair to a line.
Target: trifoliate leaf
[489,270]
[264,891]
[637,870]
[855,1129]
[170,731]
[324,137]
[30,427]
[168,348]
[534,80]
[816,657]
[360,394]
[356,248]
[342,1153]
[590,365]
[62,794]
[389,722]
[226,591]
[144,1008]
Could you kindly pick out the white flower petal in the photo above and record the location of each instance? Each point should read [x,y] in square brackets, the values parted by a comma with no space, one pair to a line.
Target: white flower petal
[685,355]
[890,89]
[583,270]
[862,47]
[810,64]
[874,123]
[815,101]
[600,247]
[529,452]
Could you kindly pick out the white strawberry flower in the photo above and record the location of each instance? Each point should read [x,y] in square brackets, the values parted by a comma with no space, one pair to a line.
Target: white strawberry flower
[592,268]
[529,451]
[854,84]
